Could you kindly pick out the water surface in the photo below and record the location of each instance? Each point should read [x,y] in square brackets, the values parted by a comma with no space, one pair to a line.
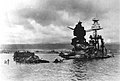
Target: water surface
[69,70]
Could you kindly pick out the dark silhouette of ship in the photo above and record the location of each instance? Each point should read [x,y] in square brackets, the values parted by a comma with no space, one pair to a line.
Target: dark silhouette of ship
[27,57]
[94,49]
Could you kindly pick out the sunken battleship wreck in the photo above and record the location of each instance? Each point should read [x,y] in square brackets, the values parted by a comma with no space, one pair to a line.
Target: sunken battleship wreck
[27,58]
[94,49]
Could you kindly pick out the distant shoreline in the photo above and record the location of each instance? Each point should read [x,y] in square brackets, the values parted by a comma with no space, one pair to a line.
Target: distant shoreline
[44,47]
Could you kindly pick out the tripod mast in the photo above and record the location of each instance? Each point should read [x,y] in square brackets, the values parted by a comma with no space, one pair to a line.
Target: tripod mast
[95,27]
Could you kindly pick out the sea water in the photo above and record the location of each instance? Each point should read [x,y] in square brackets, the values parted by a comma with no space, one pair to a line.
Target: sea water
[70,70]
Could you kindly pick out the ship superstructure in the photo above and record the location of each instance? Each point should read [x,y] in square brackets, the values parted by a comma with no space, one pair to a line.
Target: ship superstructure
[95,48]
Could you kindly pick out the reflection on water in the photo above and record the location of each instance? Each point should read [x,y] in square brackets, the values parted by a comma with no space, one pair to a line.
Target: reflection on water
[69,70]
[79,70]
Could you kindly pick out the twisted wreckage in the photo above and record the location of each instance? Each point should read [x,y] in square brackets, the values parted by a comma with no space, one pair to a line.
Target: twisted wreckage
[27,57]
[93,49]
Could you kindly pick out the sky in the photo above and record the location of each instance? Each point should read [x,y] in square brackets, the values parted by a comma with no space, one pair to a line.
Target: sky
[46,21]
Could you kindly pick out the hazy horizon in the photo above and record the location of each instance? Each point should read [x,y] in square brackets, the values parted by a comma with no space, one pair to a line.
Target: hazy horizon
[50,43]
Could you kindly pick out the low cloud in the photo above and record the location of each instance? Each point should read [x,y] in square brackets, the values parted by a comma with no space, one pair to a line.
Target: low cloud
[46,21]
[49,13]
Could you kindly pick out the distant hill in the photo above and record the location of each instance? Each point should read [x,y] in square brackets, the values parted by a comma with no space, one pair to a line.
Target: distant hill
[36,46]
[113,46]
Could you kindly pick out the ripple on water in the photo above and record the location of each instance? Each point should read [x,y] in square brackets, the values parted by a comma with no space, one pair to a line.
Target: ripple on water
[69,70]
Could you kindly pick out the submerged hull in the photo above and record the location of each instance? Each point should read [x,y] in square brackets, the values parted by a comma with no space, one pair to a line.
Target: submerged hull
[79,55]
[27,57]
[32,62]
